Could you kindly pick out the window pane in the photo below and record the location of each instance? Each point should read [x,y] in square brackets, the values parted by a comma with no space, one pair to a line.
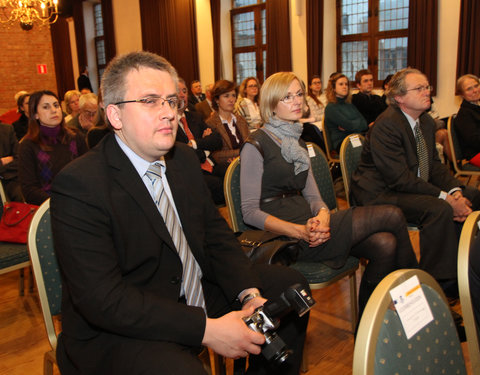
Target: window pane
[354,58]
[243,30]
[264,65]
[245,66]
[242,3]
[393,15]
[354,17]
[100,45]
[392,56]
[98,20]
[264,27]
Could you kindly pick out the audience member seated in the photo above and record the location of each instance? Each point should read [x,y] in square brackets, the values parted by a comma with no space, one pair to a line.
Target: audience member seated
[247,102]
[232,128]
[367,103]
[205,106]
[144,290]
[21,125]
[197,95]
[9,163]
[474,280]
[279,194]
[72,105]
[385,87]
[316,101]
[88,115]
[47,147]
[467,122]
[400,166]
[341,117]
[193,131]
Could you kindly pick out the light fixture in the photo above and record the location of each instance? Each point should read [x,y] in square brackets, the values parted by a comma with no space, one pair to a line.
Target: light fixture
[26,12]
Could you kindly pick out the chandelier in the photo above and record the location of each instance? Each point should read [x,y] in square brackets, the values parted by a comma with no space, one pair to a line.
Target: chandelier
[26,12]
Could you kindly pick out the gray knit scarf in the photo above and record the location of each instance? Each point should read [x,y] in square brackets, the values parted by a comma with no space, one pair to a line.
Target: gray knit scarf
[289,134]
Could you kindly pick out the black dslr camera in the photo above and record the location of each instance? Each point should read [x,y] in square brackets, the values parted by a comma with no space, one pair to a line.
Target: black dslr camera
[266,319]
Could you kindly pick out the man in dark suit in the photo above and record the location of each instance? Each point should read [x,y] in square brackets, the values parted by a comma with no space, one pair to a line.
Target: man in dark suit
[400,166]
[367,103]
[83,82]
[197,95]
[127,303]
[193,131]
[9,163]
[205,106]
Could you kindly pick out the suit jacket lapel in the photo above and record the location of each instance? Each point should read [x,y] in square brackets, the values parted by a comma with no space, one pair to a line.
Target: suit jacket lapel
[223,132]
[125,174]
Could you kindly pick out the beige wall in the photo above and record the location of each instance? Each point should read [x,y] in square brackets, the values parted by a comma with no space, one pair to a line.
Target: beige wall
[127,26]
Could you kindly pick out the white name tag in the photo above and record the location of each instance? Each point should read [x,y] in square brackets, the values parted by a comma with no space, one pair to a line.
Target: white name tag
[311,151]
[412,306]
[355,141]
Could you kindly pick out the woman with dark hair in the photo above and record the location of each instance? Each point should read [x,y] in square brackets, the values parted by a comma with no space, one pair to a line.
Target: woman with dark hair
[247,103]
[21,125]
[232,128]
[316,99]
[46,148]
[279,194]
[342,118]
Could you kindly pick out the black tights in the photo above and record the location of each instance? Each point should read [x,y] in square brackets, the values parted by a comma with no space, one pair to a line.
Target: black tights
[379,234]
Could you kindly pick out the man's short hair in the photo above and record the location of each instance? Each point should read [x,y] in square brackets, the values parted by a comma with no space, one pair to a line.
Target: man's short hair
[193,82]
[89,98]
[361,73]
[273,90]
[397,86]
[461,80]
[113,85]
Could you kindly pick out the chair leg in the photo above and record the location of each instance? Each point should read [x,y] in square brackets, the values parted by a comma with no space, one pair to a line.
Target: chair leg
[48,361]
[30,280]
[353,300]
[304,365]
[21,285]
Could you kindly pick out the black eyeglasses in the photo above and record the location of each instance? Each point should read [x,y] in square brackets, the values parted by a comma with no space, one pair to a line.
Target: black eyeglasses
[157,102]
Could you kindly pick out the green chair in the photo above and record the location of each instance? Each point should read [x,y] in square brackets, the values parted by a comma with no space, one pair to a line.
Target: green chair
[13,256]
[47,277]
[381,346]
[332,155]
[318,275]
[469,234]
[349,159]
[461,168]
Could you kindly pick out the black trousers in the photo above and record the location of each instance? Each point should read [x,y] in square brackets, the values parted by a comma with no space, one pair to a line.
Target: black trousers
[439,233]
[131,356]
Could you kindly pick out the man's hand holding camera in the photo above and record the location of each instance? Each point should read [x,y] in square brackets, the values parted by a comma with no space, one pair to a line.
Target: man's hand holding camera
[230,336]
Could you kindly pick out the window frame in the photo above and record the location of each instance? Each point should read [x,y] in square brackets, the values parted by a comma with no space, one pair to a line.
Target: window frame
[97,40]
[259,48]
[372,36]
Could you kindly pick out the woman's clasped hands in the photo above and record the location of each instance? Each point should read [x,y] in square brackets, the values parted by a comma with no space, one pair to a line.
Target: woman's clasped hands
[318,228]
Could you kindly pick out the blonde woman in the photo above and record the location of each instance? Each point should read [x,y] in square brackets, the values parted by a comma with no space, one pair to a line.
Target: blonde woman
[279,194]
[247,103]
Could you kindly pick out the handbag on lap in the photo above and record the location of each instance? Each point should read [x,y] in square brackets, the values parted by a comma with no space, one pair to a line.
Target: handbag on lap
[15,221]
[269,248]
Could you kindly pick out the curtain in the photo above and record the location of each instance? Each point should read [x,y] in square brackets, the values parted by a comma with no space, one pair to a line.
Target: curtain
[62,56]
[217,47]
[279,54]
[169,29]
[468,55]
[80,34]
[422,38]
[314,11]
[108,30]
